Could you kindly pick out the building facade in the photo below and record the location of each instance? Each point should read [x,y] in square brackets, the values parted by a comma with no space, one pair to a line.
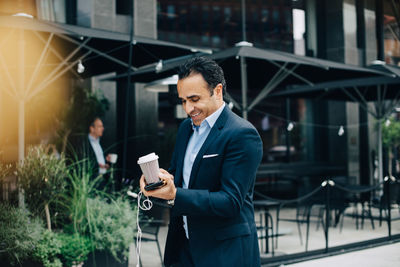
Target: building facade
[349,31]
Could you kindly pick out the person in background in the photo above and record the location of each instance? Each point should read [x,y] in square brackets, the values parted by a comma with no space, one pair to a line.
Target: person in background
[88,150]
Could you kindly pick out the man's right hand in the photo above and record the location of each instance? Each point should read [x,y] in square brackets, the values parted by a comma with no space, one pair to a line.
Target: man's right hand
[167,192]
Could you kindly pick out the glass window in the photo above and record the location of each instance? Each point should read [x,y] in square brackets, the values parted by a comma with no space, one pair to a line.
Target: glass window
[124,7]
[265,19]
[280,130]
[370,28]
[268,23]
[183,18]
[391,32]
[205,18]
[276,20]
[171,11]
[299,29]
[194,21]
[216,18]
[350,31]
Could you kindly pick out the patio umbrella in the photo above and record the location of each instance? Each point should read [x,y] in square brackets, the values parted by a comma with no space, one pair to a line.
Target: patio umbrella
[383,91]
[35,53]
[261,70]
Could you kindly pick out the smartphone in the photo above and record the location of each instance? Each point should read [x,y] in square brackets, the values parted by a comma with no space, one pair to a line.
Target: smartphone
[153,186]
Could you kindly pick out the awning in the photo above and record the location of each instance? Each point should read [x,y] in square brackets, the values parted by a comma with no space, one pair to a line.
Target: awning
[261,70]
[35,53]
[106,51]
[383,91]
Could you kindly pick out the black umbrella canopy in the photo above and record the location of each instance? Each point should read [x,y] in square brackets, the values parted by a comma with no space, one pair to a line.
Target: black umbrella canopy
[384,91]
[101,51]
[362,90]
[35,53]
[357,90]
[264,71]
[382,66]
[262,65]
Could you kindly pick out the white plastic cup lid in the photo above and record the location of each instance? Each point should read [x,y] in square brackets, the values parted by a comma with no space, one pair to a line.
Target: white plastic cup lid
[147,158]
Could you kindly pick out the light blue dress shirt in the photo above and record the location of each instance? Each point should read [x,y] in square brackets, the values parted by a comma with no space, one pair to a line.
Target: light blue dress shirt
[98,151]
[195,143]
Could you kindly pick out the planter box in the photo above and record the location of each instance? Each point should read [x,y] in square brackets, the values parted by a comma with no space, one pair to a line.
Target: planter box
[103,259]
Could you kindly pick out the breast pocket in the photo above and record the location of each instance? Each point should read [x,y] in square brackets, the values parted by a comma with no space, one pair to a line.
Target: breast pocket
[210,171]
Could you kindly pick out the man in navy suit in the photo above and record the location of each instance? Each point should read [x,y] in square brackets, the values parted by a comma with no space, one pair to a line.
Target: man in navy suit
[211,179]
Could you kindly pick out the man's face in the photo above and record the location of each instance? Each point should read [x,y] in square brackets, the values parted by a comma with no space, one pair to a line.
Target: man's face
[97,129]
[196,100]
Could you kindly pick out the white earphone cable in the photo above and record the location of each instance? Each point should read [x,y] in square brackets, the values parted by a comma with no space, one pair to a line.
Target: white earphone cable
[145,205]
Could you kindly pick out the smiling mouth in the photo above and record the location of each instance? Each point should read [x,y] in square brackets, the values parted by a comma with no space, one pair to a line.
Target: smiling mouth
[194,116]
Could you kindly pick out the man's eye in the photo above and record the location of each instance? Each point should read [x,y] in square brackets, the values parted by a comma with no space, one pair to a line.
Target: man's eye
[183,101]
[195,99]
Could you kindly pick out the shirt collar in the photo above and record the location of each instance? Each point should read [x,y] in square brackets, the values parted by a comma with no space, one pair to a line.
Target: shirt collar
[91,138]
[210,120]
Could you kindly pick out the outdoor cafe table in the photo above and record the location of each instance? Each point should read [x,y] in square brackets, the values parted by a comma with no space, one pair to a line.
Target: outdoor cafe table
[265,205]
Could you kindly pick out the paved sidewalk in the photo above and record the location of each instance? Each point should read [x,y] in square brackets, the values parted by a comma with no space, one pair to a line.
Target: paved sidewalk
[382,256]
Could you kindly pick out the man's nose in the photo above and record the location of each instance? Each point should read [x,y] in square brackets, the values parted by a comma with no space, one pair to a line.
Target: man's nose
[189,108]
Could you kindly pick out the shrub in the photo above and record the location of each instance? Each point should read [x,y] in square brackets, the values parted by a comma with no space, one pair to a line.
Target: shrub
[42,176]
[81,187]
[112,226]
[74,248]
[19,234]
[47,250]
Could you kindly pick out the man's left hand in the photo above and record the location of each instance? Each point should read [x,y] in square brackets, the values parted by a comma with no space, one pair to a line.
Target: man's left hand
[167,192]
[104,166]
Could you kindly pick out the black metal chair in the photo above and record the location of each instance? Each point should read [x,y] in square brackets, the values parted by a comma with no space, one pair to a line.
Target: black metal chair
[265,231]
[389,200]
[306,212]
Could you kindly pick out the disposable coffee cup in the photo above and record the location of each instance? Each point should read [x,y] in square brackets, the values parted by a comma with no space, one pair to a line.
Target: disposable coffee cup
[150,168]
[113,158]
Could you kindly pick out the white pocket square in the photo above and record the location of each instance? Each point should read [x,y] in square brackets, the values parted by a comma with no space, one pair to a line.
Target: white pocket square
[210,156]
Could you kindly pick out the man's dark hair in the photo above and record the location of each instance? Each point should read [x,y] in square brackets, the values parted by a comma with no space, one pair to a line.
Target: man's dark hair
[208,68]
[93,120]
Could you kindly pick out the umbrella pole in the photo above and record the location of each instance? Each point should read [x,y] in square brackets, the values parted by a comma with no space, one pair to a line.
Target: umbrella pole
[21,110]
[21,131]
[21,146]
[243,73]
[380,154]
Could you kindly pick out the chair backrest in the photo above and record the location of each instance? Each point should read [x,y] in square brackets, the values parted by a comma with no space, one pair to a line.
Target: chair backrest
[394,190]
[151,226]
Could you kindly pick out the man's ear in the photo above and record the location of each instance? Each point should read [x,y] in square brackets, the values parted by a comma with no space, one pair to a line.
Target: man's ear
[218,90]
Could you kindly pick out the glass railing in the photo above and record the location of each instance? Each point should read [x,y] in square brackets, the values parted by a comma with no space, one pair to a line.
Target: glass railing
[331,217]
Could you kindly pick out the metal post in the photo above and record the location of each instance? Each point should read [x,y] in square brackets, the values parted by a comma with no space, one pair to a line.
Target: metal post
[287,131]
[21,131]
[243,73]
[380,156]
[327,218]
[243,20]
[21,109]
[388,206]
[127,99]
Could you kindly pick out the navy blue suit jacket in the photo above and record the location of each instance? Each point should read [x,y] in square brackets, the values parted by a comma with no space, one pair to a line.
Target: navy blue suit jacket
[219,201]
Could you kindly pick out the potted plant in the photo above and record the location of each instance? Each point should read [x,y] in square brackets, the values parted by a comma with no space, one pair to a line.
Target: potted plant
[107,221]
[112,224]
[75,248]
[42,177]
[391,138]
[24,240]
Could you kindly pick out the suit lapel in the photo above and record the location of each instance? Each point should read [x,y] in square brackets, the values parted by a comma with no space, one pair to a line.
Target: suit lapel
[214,133]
